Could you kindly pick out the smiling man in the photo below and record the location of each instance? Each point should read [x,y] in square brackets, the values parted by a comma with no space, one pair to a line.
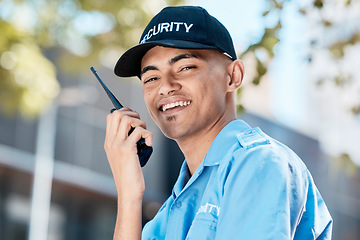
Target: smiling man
[236,182]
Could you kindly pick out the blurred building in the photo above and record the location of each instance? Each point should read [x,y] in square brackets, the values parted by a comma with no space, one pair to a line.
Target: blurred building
[67,141]
[71,134]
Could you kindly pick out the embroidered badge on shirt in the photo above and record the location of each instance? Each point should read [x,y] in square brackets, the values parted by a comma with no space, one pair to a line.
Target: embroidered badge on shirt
[209,208]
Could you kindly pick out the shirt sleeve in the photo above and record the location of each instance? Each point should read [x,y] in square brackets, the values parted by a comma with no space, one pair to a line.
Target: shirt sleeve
[265,196]
[316,222]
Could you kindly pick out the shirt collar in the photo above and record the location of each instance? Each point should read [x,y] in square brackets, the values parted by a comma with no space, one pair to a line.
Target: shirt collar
[226,138]
[182,179]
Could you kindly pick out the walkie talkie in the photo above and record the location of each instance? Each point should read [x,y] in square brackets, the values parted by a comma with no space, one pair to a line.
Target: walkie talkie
[144,151]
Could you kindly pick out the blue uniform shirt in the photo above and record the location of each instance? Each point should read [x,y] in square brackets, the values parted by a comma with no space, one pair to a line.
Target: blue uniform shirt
[249,186]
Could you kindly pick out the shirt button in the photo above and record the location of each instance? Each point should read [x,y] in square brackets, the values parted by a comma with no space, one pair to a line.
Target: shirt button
[178,204]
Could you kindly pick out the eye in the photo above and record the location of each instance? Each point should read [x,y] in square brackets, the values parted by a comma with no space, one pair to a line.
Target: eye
[150,80]
[187,68]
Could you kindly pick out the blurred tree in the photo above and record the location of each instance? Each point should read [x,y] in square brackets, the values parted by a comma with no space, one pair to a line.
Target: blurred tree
[37,35]
[332,60]
[318,13]
[27,78]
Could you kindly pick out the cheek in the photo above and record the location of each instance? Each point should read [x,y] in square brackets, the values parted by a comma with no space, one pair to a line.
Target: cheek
[213,88]
[148,101]
[213,98]
[147,94]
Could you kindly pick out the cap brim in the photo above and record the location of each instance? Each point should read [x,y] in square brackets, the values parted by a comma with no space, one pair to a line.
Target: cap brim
[129,64]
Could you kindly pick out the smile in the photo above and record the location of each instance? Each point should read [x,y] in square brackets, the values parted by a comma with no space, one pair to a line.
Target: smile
[174,104]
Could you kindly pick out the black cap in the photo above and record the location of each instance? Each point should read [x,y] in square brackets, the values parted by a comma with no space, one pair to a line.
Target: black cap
[185,27]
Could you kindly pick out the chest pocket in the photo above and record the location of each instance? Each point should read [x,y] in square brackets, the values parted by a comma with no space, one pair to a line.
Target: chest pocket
[203,227]
[206,219]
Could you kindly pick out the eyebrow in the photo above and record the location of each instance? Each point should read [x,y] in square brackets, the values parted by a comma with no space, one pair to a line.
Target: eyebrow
[171,62]
[181,56]
[147,68]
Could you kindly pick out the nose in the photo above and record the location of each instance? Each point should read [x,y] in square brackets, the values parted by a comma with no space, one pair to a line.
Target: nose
[168,85]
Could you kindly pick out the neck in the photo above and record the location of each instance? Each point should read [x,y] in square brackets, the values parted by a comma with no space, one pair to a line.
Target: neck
[196,147]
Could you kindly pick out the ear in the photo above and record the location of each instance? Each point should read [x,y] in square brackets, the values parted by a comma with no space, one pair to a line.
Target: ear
[236,75]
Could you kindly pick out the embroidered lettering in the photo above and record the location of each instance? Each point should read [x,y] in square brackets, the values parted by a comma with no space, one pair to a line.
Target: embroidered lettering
[171,26]
[158,30]
[167,27]
[209,208]
[188,27]
[149,35]
[178,25]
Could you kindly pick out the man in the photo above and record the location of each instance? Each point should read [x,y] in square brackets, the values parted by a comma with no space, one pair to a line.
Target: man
[236,182]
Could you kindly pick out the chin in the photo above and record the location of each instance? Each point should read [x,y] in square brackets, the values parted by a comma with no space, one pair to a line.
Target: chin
[171,132]
[171,127]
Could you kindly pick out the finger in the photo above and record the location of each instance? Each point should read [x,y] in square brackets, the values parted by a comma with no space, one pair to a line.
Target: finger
[139,133]
[116,117]
[126,111]
[127,123]
[109,134]
[148,136]
[112,123]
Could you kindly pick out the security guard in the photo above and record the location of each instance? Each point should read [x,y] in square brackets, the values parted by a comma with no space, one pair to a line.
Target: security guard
[236,182]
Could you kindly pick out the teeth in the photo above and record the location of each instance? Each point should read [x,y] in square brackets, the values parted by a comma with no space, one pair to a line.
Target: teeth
[175,104]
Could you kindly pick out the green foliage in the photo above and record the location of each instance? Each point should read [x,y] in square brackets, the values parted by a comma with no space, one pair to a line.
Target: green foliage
[345,163]
[75,33]
[337,48]
[356,109]
[28,82]
[318,3]
[337,45]
[266,46]
[264,49]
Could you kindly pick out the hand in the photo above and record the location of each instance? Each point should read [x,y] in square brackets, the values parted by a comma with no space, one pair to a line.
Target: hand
[122,155]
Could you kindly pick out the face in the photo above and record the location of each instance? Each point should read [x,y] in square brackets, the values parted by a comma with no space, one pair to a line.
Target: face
[185,90]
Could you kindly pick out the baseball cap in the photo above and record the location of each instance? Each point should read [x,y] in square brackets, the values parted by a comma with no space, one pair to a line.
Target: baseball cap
[184,27]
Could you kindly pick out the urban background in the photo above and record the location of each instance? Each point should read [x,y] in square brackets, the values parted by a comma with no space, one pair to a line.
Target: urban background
[302,87]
